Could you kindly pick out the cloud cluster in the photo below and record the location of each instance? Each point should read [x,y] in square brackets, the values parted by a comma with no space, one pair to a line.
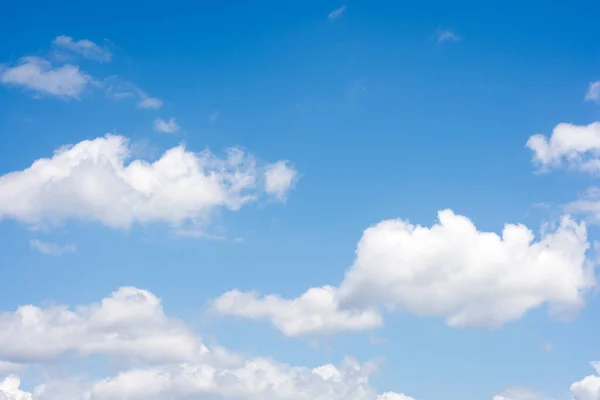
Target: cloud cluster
[163,358]
[577,148]
[69,81]
[97,180]
[450,270]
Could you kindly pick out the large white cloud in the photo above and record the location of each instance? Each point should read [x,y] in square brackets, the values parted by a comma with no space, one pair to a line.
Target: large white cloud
[314,312]
[469,277]
[170,361]
[574,145]
[450,270]
[98,180]
[39,75]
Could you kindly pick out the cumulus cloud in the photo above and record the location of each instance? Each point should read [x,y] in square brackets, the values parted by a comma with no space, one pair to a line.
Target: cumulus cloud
[593,93]
[51,249]
[170,126]
[130,322]
[315,312]
[335,14]
[589,387]
[279,179]
[577,147]
[450,270]
[40,76]
[170,362]
[85,48]
[97,180]
[469,277]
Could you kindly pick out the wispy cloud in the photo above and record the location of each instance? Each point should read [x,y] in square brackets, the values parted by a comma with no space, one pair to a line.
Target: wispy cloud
[85,48]
[51,249]
[335,14]
[119,89]
[170,126]
[213,117]
[593,93]
[149,102]
[547,346]
[39,75]
[444,35]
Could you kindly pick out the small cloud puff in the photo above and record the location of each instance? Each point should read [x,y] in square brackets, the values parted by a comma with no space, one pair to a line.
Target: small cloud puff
[280,177]
[170,126]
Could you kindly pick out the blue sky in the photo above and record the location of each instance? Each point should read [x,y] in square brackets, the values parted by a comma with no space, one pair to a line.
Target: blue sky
[220,152]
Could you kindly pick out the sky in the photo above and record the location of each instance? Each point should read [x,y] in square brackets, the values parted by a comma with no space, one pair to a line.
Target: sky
[292,201]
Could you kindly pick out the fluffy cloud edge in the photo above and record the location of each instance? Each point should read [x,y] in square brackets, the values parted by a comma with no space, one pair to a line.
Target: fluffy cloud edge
[163,358]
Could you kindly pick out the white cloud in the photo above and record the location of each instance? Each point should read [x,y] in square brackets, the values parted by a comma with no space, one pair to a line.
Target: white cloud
[279,179]
[589,387]
[577,146]
[450,270]
[213,117]
[593,93]
[443,35]
[97,180]
[170,126]
[335,14]
[84,47]
[469,277]
[10,389]
[52,249]
[315,312]
[39,75]
[132,322]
